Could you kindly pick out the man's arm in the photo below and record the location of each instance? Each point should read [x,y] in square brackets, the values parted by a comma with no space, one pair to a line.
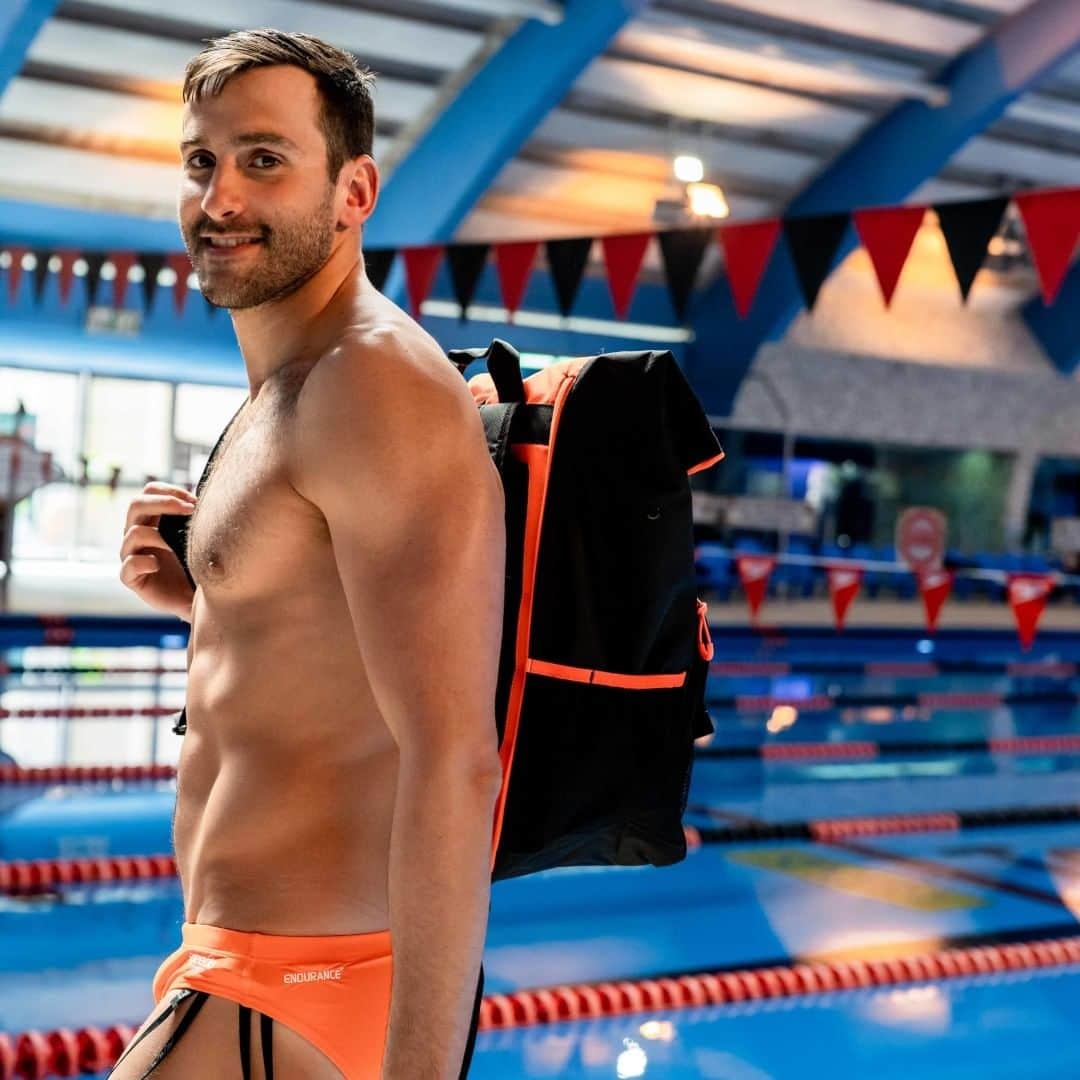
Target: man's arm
[395,459]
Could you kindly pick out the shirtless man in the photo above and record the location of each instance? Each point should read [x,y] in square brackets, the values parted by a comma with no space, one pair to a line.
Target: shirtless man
[338,779]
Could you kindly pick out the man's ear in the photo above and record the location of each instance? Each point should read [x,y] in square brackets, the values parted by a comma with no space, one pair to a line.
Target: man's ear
[361,176]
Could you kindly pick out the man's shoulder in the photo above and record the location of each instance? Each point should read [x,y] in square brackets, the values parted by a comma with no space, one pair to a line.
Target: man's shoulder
[382,365]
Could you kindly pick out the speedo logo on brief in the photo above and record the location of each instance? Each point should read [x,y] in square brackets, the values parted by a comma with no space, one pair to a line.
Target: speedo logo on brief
[312,976]
[204,962]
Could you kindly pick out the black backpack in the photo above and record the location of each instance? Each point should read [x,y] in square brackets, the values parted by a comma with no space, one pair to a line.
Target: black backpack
[605,646]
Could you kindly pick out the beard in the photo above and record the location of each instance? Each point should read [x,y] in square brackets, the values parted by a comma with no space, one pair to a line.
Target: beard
[287,255]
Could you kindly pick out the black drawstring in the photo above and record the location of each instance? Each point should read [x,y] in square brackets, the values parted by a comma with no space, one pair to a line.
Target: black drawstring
[199,1001]
[245,1042]
[267,1034]
[177,998]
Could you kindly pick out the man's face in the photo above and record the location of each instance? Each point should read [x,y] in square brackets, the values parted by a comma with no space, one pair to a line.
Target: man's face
[257,209]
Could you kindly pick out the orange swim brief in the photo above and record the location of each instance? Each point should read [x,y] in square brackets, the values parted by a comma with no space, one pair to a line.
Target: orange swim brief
[333,991]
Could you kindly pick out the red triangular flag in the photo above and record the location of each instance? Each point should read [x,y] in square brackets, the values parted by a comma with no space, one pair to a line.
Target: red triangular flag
[1027,598]
[935,587]
[844,585]
[514,265]
[887,234]
[623,256]
[747,249]
[1052,221]
[420,266]
[15,271]
[122,261]
[66,279]
[180,265]
[754,573]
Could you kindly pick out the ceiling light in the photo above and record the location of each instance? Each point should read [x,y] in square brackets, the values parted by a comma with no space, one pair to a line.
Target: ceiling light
[707,200]
[688,169]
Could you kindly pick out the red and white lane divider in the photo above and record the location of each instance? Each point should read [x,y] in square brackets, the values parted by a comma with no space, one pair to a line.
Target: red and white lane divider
[78,713]
[32,877]
[82,774]
[587,1001]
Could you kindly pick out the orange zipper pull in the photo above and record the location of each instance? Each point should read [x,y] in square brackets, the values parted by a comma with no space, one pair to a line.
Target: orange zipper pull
[705,645]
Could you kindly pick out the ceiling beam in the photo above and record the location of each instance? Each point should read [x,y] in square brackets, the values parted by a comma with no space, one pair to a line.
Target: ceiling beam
[888,162]
[446,171]
[20,21]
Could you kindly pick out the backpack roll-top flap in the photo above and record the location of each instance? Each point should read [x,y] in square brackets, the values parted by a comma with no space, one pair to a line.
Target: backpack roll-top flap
[688,426]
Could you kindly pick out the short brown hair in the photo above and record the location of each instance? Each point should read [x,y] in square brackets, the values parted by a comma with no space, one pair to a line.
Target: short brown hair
[347,117]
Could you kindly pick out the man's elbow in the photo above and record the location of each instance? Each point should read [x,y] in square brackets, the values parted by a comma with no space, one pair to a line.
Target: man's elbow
[478,768]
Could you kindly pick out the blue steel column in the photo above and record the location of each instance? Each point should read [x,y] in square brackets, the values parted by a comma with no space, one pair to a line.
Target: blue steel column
[20,21]
[885,165]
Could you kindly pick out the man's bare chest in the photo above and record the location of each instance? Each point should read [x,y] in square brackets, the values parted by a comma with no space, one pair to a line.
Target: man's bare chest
[250,525]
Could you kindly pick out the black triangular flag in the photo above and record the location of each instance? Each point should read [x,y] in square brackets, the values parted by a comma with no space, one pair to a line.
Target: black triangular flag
[467,262]
[567,259]
[95,260]
[682,251]
[151,262]
[968,228]
[813,243]
[378,263]
[41,273]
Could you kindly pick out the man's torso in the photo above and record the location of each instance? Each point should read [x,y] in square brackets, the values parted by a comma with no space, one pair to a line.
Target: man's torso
[287,775]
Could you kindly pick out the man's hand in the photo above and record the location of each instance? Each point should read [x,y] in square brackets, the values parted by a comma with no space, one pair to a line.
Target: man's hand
[148,566]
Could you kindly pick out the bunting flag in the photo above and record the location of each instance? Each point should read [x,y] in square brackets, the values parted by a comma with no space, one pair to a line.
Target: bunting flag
[15,271]
[152,263]
[683,251]
[41,273]
[180,265]
[813,243]
[1027,598]
[1052,222]
[567,259]
[623,256]
[467,262]
[420,266]
[934,587]
[754,573]
[747,250]
[377,263]
[969,228]
[844,585]
[94,260]
[122,262]
[66,278]
[514,265]
[887,234]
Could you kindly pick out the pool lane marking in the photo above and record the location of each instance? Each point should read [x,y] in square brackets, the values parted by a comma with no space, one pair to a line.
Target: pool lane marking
[867,882]
[753,827]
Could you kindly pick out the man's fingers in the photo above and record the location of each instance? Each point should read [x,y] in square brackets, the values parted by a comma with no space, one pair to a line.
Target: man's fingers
[140,537]
[147,509]
[137,566]
[162,487]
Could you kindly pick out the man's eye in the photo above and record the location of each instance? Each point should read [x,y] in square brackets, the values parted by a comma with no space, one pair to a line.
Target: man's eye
[264,161]
[200,161]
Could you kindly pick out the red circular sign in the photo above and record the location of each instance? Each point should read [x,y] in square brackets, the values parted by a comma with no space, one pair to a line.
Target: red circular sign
[920,537]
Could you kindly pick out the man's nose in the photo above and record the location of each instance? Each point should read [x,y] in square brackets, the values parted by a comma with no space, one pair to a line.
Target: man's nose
[223,198]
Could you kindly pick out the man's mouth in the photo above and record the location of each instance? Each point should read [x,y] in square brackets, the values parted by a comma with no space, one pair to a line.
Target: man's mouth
[229,244]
